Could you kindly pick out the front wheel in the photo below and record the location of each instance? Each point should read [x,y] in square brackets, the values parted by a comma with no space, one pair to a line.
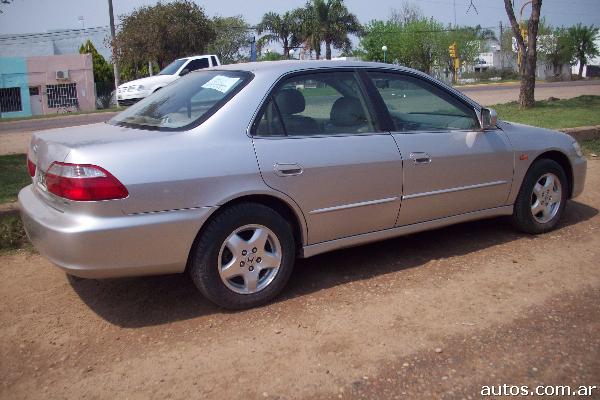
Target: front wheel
[244,257]
[542,198]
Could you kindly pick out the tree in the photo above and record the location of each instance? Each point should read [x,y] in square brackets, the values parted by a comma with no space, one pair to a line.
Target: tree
[407,12]
[162,33]
[582,43]
[333,23]
[469,43]
[103,71]
[283,29]
[420,44]
[3,2]
[309,31]
[233,37]
[554,48]
[527,50]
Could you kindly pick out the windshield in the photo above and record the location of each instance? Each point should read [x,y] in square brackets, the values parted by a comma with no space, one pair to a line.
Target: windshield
[185,102]
[172,68]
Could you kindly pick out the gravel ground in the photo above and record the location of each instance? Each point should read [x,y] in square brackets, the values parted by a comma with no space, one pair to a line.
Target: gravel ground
[433,315]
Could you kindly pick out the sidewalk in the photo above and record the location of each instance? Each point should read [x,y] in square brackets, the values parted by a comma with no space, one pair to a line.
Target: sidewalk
[36,124]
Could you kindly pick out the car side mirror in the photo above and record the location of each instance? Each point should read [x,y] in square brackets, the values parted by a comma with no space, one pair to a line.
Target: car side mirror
[487,118]
[184,71]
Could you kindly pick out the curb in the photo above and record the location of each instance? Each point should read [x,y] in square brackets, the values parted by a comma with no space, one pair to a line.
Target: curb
[8,209]
[583,132]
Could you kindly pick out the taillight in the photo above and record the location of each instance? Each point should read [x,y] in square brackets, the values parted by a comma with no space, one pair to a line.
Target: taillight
[30,167]
[83,182]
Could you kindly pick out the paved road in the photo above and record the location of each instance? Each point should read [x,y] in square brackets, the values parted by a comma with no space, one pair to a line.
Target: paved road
[494,94]
[430,316]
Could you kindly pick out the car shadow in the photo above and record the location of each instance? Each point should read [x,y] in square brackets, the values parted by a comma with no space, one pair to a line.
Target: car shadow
[148,301]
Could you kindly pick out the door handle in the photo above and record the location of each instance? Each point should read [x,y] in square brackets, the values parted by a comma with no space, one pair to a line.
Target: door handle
[420,158]
[287,169]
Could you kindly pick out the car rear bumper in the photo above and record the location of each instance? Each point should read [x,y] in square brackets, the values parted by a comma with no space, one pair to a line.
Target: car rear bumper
[110,247]
[579,173]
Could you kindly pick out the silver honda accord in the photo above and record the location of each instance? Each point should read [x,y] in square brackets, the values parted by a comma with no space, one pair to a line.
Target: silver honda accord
[230,173]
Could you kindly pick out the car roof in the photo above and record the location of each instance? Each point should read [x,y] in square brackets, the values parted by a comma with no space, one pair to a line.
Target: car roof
[284,66]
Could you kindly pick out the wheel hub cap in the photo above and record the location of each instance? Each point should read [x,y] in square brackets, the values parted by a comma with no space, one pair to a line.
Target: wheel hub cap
[249,259]
[546,198]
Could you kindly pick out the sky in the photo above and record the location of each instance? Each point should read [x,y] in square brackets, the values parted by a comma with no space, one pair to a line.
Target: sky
[32,16]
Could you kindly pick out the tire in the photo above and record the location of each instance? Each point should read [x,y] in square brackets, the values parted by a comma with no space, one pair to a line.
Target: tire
[525,218]
[232,267]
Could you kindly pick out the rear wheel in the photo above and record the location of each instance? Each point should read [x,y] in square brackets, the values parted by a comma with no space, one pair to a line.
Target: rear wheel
[542,198]
[244,257]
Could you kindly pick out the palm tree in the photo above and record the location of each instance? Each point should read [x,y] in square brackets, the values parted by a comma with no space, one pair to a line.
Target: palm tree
[332,23]
[280,28]
[582,39]
[309,32]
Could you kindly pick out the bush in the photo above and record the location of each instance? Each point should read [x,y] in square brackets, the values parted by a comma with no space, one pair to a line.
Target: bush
[504,74]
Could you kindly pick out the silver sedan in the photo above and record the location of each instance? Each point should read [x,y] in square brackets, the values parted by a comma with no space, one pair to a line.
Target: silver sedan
[230,173]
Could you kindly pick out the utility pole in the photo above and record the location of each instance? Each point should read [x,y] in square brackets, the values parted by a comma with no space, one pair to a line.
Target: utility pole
[501,47]
[454,3]
[112,36]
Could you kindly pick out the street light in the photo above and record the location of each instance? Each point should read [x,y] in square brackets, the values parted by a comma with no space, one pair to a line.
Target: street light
[291,53]
[384,48]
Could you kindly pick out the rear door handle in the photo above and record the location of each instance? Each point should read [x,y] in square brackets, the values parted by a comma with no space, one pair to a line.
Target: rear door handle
[420,158]
[287,169]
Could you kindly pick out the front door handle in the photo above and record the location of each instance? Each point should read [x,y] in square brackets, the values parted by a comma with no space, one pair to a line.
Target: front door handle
[287,169]
[420,158]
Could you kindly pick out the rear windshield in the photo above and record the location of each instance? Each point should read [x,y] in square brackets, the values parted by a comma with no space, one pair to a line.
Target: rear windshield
[184,103]
[172,68]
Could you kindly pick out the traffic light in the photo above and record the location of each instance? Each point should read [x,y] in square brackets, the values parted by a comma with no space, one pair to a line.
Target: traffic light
[452,49]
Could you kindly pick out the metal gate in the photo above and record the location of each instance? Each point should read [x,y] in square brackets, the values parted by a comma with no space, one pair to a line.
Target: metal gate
[10,99]
[62,95]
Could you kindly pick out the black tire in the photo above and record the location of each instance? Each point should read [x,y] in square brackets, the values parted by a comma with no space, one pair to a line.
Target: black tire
[523,218]
[204,267]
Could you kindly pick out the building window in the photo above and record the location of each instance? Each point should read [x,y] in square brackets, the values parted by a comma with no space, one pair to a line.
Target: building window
[62,95]
[34,91]
[10,99]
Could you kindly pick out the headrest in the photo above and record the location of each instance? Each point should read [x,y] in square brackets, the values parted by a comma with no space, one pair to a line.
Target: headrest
[347,111]
[290,101]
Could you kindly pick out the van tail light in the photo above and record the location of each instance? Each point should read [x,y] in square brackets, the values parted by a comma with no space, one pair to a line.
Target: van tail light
[83,182]
[30,167]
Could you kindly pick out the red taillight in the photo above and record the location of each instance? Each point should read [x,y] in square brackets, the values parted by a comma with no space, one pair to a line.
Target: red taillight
[83,182]
[30,167]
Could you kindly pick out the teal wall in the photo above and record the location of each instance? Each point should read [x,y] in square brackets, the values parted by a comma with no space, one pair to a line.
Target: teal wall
[13,73]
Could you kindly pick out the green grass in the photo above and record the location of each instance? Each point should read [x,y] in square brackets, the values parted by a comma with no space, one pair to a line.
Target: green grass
[13,176]
[591,146]
[569,113]
[3,120]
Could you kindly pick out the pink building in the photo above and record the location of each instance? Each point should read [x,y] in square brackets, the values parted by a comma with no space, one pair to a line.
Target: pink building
[58,82]
[46,85]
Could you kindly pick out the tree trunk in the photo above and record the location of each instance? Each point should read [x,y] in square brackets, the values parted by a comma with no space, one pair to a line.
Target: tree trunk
[328,50]
[528,53]
[580,69]
[286,50]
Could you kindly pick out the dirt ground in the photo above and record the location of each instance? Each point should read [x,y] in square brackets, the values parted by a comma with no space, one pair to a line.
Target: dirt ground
[433,315]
